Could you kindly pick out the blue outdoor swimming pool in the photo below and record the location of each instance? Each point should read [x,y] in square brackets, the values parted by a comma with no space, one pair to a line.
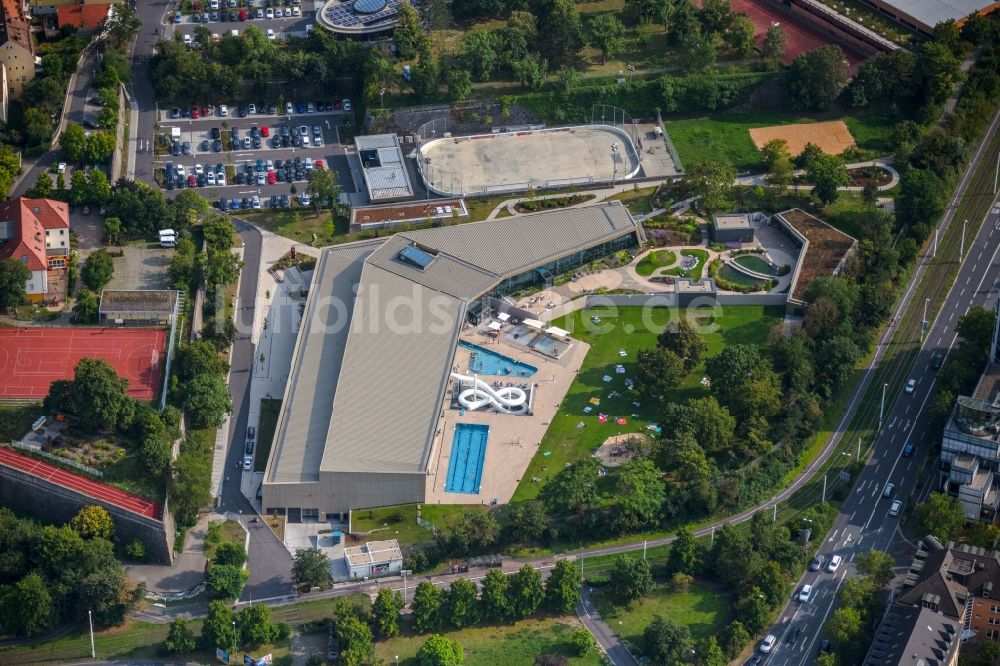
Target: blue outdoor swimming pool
[483,361]
[468,451]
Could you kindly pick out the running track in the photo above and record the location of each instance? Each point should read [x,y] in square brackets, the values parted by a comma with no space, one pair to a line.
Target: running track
[80,484]
[32,358]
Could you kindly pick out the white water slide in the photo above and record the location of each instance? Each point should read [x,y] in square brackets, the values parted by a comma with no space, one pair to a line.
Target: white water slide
[508,399]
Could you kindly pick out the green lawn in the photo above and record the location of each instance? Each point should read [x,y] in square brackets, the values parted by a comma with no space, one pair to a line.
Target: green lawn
[268,421]
[638,201]
[626,330]
[654,260]
[509,645]
[130,475]
[726,137]
[400,522]
[734,276]
[15,422]
[703,609]
[225,532]
[694,273]
[754,263]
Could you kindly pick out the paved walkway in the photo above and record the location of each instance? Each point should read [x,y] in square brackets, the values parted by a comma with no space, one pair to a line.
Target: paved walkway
[883,162]
[606,637]
[188,569]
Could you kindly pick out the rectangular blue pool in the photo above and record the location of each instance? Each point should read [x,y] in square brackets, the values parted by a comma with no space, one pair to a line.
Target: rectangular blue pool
[468,451]
[483,361]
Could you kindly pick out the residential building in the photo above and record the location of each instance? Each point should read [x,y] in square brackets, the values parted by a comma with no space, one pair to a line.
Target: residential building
[82,13]
[17,50]
[4,93]
[923,15]
[913,635]
[36,232]
[375,558]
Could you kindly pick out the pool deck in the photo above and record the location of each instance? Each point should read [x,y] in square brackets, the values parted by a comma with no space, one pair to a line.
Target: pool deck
[513,439]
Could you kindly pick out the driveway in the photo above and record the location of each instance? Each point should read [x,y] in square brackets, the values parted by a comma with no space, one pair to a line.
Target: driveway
[88,229]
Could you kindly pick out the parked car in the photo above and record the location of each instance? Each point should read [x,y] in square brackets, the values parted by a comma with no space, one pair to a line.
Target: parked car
[288,108]
[255,202]
[247,463]
[249,447]
[347,104]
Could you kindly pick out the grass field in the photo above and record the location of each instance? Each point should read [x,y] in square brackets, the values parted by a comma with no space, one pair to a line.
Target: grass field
[268,421]
[400,522]
[725,137]
[703,609]
[15,422]
[694,273]
[509,645]
[653,260]
[630,329]
[637,201]
[225,532]
[754,263]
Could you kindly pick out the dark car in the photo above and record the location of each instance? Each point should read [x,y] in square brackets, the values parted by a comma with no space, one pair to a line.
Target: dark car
[937,360]
[817,563]
[278,164]
[181,182]
[204,146]
[272,110]
[234,204]
[249,448]
[169,183]
[217,146]
[176,148]
[254,132]
[185,112]
[285,142]
[256,143]
[216,134]
[260,166]
[244,203]
[284,130]
[241,178]
[175,112]
[224,16]
[202,180]
[234,133]
[243,111]
[296,141]
[908,450]
[300,107]
[223,205]
[274,201]
[793,635]
[279,176]
[824,646]
[186,147]
[284,201]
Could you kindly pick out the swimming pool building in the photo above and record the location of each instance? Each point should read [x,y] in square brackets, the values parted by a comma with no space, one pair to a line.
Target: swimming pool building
[374,355]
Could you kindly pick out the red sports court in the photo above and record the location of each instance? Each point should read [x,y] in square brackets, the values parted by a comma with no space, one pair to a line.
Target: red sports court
[32,358]
[80,484]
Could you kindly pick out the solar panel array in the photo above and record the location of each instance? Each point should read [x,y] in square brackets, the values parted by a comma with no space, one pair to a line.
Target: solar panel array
[346,16]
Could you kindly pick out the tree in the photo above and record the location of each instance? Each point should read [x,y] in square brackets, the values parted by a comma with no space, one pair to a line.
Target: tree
[657,370]
[525,592]
[426,74]
[385,612]
[14,277]
[685,555]
[230,553]
[845,626]
[439,650]
[218,630]
[494,604]
[774,42]
[753,610]
[459,85]
[97,270]
[323,188]
[93,521]
[712,184]
[562,588]
[105,590]
[42,189]
[120,27]
[737,370]
[734,637]
[989,652]
[27,608]
[940,515]
[99,397]
[607,34]
[310,568]
[254,626]
[206,401]
[409,33]
[79,187]
[426,607]
[113,228]
[73,142]
[816,77]
[559,21]
[741,36]
[667,642]
[100,147]
[710,423]
[975,327]
[225,581]
[196,359]
[774,150]
[878,566]
[681,338]
[640,491]
[527,521]
[827,174]
[98,187]
[573,489]
[582,642]
[355,638]
[632,579]
[479,50]
[530,71]
[155,454]
[180,639]
[459,604]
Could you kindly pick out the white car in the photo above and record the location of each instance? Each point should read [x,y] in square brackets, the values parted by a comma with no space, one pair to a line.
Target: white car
[305,140]
[805,593]
[911,386]
[289,109]
[896,506]
[198,169]
[767,644]
[347,104]
[210,178]
[834,564]
[269,165]
[278,13]
[61,168]
[180,170]
[220,179]
[270,33]
[296,12]
[309,164]
[251,109]
[255,204]
[223,110]
[304,199]
[248,460]
[188,40]
[269,13]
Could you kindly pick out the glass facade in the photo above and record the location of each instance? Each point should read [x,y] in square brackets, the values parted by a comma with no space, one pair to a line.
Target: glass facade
[542,276]
[955,442]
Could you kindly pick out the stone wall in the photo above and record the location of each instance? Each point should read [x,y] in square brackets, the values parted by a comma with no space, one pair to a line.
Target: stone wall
[53,503]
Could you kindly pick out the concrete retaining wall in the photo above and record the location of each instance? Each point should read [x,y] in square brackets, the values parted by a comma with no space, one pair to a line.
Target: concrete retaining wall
[53,503]
[664,300]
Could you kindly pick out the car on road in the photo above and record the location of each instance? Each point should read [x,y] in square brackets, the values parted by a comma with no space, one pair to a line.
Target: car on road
[767,644]
[249,447]
[805,593]
[907,450]
[888,490]
[247,463]
[911,385]
[937,360]
[895,507]
[817,563]
[251,432]
[834,564]
[793,635]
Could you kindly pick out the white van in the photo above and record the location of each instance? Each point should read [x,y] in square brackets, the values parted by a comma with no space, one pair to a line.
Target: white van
[167,232]
[168,241]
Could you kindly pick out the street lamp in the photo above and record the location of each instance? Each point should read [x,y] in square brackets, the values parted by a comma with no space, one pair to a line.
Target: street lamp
[881,409]
[924,323]
[614,164]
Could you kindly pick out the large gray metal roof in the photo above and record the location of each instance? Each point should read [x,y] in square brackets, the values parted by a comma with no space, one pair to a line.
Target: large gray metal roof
[932,12]
[365,397]
[388,180]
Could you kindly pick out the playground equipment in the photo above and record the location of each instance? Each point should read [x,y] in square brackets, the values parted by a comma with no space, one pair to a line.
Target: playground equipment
[508,399]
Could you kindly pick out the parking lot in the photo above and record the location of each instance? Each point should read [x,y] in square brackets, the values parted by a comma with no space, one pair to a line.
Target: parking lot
[274,18]
[252,150]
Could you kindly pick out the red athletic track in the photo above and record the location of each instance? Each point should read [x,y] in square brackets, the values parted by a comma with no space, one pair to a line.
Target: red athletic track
[32,358]
[80,484]
[801,36]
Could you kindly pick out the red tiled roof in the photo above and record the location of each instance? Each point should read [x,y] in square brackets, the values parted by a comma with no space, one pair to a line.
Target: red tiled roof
[83,16]
[28,239]
[14,25]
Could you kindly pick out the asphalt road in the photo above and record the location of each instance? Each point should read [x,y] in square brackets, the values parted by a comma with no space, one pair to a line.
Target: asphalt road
[864,522]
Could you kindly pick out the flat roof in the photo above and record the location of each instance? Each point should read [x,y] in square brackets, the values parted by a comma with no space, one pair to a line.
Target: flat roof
[138,301]
[731,221]
[373,552]
[383,166]
[373,359]
[932,12]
